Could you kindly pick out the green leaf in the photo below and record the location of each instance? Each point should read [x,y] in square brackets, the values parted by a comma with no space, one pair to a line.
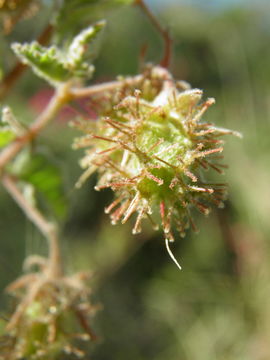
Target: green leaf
[46,178]
[59,65]
[48,63]
[78,51]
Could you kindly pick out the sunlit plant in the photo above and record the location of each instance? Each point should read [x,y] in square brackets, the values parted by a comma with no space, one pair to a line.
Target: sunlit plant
[150,144]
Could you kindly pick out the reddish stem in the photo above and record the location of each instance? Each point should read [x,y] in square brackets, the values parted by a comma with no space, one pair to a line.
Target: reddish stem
[165,61]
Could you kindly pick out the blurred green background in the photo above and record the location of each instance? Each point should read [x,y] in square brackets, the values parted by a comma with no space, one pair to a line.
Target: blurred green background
[218,306]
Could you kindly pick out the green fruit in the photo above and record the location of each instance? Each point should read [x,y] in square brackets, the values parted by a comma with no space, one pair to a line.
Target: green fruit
[153,153]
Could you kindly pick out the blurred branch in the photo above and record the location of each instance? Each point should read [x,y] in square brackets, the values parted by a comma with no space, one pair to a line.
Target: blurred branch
[20,68]
[60,98]
[48,229]
[165,61]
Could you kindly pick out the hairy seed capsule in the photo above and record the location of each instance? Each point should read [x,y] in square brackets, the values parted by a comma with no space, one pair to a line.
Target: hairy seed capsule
[151,147]
[51,319]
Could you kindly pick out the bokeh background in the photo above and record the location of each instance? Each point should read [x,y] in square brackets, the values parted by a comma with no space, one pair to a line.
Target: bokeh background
[217,307]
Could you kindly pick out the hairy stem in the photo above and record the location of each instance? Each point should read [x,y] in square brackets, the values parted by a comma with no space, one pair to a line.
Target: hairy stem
[109,86]
[48,229]
[165,61]
[60,98]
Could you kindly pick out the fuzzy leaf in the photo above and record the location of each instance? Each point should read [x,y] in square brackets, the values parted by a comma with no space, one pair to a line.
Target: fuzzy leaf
[76,50]
[79,52]
[56,65]
[48,63]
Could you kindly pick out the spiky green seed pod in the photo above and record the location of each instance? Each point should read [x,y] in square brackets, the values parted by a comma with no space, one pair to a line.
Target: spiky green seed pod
[152,149]
[50,320]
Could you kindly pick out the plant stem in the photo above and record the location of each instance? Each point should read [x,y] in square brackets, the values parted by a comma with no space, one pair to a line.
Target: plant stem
[62,95]
[109,86]
[60,98]
[47,228]
[165,61]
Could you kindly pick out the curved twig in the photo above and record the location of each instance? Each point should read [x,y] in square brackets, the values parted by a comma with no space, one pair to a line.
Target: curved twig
[165,61]
[48,229]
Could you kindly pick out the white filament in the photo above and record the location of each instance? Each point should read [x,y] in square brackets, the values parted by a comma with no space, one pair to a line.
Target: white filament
[171,254]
